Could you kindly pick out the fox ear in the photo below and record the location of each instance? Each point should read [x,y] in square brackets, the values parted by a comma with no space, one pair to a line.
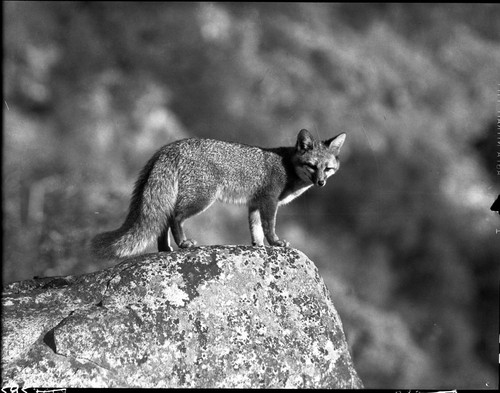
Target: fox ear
[336,142]
[304,141]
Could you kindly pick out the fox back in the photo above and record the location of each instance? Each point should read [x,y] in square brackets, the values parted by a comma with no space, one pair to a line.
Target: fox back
[185,177]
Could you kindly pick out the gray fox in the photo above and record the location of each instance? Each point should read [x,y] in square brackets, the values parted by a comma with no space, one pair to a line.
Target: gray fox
[185,177]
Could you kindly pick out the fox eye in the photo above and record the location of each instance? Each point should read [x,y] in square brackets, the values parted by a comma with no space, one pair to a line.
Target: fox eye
[310,166]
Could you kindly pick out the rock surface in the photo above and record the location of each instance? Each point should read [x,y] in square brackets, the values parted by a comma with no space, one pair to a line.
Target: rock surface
[219,316]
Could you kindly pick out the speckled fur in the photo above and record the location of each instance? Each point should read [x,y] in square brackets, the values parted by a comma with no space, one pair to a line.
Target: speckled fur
[184,178]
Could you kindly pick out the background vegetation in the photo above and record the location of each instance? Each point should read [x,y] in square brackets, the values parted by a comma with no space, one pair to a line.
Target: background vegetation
[403,235]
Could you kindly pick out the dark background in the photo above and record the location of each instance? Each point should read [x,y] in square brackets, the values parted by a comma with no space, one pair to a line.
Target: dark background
[402,235]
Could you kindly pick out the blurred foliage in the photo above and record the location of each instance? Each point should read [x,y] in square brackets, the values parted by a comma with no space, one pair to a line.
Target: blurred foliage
[402,235]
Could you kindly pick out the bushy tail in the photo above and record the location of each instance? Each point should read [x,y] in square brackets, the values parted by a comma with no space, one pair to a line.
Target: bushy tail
[150,207]
[122,243]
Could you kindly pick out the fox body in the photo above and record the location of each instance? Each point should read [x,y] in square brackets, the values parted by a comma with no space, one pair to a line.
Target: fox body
[185,177]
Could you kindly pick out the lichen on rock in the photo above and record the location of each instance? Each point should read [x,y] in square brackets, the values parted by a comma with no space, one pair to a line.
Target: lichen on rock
[218,316]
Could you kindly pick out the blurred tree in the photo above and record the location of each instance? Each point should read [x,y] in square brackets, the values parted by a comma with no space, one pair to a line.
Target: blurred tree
[92,89]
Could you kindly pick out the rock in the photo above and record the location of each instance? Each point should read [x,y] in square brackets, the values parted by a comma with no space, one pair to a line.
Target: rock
[220,316]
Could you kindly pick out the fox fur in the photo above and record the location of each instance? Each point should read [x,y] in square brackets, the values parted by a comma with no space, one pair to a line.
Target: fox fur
[185,177]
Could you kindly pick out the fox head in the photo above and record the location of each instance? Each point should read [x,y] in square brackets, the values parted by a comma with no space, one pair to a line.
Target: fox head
[316,161]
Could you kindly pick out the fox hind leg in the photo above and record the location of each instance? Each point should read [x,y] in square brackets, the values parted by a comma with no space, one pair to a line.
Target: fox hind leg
[163,240]
[183,212]
[179,235]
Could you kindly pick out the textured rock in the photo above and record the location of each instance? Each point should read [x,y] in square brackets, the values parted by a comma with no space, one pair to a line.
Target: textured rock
[230,316]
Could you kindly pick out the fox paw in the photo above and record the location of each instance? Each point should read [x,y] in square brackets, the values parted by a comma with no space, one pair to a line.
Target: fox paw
[188,243]
[281,243]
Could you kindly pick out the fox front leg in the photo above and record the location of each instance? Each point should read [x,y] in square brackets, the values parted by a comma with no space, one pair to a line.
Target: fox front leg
[268,212]
[255,226]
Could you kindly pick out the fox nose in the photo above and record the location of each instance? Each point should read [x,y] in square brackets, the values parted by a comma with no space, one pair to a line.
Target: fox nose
[321,183]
